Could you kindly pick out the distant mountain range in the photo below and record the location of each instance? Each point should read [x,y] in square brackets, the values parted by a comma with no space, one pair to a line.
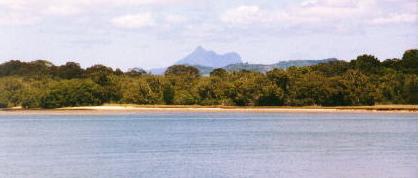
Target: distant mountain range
[206,61]
[279,65]
[203,57]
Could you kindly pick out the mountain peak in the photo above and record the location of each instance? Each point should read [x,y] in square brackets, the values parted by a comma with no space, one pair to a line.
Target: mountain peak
[200,48]
[201,56]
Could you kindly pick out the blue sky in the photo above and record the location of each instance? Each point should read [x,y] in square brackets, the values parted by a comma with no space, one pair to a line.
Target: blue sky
[155,33]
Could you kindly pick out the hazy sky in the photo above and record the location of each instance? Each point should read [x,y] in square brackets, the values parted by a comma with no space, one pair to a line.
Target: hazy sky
[154,33]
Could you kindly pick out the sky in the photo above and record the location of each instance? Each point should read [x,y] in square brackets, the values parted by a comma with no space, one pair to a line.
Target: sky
[156,33]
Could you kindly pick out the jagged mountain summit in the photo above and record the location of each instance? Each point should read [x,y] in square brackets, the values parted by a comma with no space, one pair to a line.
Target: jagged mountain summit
[203,57]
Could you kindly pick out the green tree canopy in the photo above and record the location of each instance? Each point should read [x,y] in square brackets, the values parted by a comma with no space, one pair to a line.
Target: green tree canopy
[72,93]
[366,64]
[182,71]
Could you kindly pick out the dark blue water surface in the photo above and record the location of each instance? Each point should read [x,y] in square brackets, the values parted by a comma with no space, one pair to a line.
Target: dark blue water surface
[176,144]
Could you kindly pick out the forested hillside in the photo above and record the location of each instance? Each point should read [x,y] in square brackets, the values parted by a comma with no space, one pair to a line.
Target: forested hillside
[362,81]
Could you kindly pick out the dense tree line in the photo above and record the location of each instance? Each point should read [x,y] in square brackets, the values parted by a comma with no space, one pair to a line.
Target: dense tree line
[362,81]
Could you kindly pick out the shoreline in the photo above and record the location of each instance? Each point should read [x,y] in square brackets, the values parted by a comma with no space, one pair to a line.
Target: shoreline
[132,109]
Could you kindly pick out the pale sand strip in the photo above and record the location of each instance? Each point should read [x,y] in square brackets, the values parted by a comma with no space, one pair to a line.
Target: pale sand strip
[116,109]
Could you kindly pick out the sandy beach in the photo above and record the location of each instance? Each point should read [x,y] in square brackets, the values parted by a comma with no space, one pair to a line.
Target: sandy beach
[128,109]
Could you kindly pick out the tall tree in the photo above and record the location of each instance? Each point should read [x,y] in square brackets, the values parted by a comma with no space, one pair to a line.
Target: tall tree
[410,61]
[367,64]
[70,70]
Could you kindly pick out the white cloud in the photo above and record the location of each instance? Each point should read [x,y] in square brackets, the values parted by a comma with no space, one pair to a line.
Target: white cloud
[307,11]
[91,3]
[318,12]
[245,15]
[395,18]
[13,11]
[13,4]
[63,10]
[134,21]
[18,19]
[175,19]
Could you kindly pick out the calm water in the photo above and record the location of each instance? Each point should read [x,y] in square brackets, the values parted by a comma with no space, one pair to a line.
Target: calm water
[330,145]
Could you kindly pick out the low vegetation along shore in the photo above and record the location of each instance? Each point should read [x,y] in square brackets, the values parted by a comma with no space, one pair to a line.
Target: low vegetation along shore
[359,84]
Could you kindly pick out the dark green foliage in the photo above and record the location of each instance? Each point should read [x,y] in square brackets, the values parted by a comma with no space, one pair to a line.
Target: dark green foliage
[332,68]
[271,95]
[3,105]
[182,71]
[392,63]
[168,94]
[35,69]
[136,72]
[410,89]
[212,91]
[11,91]
[358,87]
[99,74]
[280,78]
[366,64]
[219,72]
[31,98]
[140,91]
[72,93]
[70,70]
[246,87]
[363,81]
[182,78]
[310,89]
[410,61]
